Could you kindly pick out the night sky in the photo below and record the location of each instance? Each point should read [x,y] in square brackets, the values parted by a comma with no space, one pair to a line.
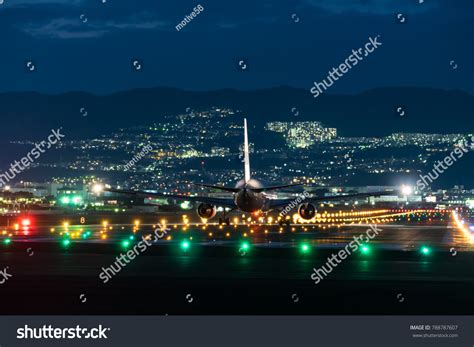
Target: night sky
[89,45]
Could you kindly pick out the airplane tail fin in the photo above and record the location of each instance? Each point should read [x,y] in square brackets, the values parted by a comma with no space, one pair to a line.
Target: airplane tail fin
[246,153]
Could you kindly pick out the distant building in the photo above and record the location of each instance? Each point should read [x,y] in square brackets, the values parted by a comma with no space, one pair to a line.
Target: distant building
[37,189]
[302,134]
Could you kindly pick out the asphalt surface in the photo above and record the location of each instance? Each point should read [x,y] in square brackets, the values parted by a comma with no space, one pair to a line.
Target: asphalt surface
[217,274]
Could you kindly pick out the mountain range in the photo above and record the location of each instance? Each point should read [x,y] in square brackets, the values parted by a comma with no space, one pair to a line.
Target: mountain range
[376,112]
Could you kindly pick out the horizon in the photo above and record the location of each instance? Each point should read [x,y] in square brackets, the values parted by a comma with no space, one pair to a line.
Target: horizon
[330,93]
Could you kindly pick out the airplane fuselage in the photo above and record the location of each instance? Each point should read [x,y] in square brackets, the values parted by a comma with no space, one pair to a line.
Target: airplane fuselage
[248,200]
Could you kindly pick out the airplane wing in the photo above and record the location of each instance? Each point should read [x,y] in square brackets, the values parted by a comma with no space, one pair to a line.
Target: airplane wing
[256,190]
[228,189]
[225,202]
[265,189]
[284,202]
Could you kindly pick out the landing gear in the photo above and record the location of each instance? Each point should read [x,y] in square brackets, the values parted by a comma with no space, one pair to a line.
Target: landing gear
[264,218]
[225,220]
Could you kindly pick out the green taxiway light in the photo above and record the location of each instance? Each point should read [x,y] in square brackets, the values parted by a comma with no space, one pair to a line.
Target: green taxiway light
[305,248]
[185,205]
[365,249]
[185,245]
[125,243]
[244,248]
[7,241]
[425,250]
[66,242]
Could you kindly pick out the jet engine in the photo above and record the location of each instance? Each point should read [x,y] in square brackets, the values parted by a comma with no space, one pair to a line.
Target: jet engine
[206,211]
[307,211]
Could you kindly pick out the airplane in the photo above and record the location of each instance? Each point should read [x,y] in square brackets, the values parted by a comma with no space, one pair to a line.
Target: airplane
[248,195]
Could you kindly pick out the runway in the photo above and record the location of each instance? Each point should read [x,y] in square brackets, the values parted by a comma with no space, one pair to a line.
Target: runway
[267,271]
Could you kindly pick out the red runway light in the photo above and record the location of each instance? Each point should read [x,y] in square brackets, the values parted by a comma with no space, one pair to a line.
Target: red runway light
[25,222]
